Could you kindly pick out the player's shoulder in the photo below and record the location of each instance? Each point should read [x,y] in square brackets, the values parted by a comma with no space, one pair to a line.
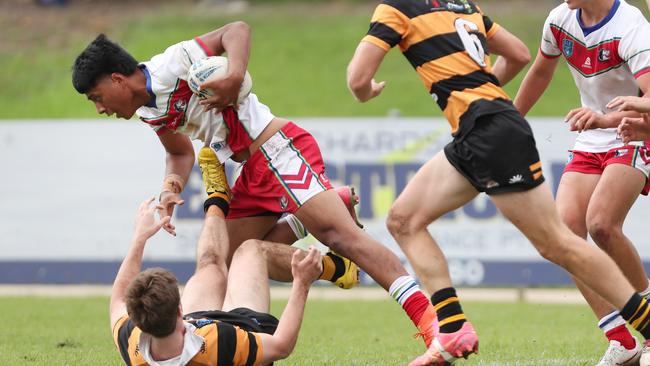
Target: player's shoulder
[561,14]
[629,14]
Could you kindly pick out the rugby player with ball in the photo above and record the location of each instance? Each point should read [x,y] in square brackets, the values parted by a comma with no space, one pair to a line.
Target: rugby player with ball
[284,170]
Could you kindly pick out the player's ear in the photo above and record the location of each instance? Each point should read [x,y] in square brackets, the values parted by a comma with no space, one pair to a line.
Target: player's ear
[116,77]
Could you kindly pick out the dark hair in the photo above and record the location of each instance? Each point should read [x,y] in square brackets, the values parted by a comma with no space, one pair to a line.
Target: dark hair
[102,57]
[152,300]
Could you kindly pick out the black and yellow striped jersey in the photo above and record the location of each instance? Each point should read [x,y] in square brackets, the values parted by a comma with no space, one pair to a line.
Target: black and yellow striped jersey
[446,43]
[224,344]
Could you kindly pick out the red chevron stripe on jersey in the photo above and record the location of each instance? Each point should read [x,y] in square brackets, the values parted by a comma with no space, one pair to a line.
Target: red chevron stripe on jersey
[589,61]
[176,109]
[302,180]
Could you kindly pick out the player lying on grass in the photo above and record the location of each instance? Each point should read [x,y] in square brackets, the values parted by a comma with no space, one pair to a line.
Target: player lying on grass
[493,151]
[606,45]
[284,170]
[221,318]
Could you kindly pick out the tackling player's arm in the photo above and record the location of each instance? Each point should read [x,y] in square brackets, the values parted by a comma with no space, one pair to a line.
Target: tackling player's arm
[513,55]
[281,343]
[362,70]
[179,163]
[535,82]
[145,227]
[235,40]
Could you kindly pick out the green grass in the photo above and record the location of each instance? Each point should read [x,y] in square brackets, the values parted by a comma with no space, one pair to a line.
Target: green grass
[299,56]
[74,331]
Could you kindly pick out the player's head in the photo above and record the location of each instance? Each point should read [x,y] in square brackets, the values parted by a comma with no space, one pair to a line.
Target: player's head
[153,302]
[102,72]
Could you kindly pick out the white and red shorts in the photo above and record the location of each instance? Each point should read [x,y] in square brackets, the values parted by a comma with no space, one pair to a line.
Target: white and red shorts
[595,163]
[281,176]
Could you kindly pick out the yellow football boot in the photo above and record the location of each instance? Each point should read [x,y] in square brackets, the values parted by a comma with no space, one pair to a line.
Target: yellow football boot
[214,179]
[350,277]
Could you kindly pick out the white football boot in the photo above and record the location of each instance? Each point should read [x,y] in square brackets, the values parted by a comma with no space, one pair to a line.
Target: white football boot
[617,355]
[645,355]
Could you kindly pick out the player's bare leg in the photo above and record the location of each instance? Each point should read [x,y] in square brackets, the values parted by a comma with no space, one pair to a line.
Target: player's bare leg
[248,279]
[573,199]
[618,189]
[533,212]
[289,229]
[242,229]
[336,269]
[445,190]
[327,219]
[605,218]
[207,287]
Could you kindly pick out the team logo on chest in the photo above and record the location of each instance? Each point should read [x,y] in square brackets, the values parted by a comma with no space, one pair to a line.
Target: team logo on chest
[567,47]
[604,55]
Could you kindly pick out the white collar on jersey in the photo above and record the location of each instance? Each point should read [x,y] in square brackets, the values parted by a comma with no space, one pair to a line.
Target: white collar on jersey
[191,346]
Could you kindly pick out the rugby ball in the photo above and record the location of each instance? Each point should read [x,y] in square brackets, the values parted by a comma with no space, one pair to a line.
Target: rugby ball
[210,68]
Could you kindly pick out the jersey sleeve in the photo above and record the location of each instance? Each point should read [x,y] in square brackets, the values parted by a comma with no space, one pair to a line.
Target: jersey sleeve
[121,333]
[387,28]
[178,58]
[634,49]
[549,47]
[491,27]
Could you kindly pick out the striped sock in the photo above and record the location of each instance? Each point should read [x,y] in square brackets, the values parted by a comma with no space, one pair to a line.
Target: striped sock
[407,293]
[450,313]
[613,325]
[611,321]
[333,267]
[637,313]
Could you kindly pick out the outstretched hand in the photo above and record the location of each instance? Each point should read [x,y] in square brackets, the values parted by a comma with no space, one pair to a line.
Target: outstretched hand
[168,200]
[225,92]
[145,222]
[308,269]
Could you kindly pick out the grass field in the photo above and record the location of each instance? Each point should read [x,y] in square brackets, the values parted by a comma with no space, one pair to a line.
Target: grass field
[75,331]
[299,56]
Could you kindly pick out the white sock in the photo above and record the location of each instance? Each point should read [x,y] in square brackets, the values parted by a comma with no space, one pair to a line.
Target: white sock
[296,226]
[402,288]
[611,321]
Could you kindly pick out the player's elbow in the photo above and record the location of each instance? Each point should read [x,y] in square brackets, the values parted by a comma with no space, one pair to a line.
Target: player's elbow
[240,25]
[520,56]
[357,84]
[282,349]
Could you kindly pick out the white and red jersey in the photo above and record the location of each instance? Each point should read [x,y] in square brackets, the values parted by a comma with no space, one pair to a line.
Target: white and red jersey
[173,107]
[605,59]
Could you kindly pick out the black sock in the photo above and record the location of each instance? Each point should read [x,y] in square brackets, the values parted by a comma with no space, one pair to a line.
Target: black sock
[339,266]
[637,313]
[450,313]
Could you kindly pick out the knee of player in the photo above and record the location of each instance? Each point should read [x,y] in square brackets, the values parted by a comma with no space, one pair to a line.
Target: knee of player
[602,232]
[210,259]
[399,224]
[252,247]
